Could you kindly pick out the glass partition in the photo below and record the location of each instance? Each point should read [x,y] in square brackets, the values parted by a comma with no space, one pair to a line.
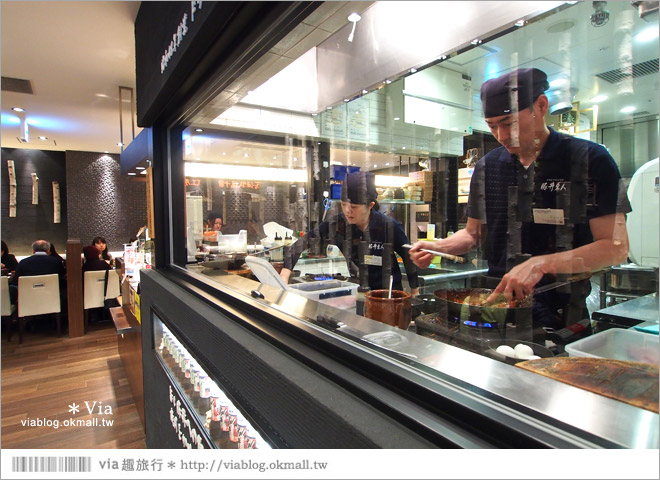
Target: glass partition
[266,162]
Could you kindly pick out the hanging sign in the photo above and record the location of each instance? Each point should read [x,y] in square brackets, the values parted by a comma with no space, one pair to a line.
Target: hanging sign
[57,208]
[35,189]
[12,188]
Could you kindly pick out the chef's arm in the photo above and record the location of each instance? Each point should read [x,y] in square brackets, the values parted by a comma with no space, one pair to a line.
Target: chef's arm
[610,247]
[459,243]
[292,253]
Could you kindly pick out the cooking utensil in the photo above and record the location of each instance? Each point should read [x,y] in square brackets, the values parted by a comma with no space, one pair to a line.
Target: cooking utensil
[553,285]
[448,256]
[477,318]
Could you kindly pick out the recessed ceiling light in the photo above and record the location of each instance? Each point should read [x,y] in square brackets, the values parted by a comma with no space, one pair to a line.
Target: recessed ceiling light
[476,41]
[647,35]
[388,82]
[599,98]
[142,168]
[198,159]
[628,109]
[132,173]
[119,144]
[347,99]
[329,108]
[354,17]
[295,159]
[314,114]
[271,163]
[224,153]
[199,129]
[443,57]
[245,154]
[520,23]
[397,118]
[144,172]
[404,148]
[558,82]
[235,161]
[18,109]
[105,151]
[387,164]
[375,166]
[413,70]
[365,90]
[43,138]
[275,157]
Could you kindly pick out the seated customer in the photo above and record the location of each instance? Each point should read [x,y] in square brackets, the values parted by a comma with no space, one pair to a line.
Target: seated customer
[9,261]
[92,260]
[102,245]
[39,263]
[53,253]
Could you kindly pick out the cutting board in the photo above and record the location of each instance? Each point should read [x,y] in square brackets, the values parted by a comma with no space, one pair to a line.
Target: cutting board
[630,382]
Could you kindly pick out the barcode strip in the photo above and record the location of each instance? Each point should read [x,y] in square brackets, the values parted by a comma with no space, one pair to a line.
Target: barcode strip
[51,464]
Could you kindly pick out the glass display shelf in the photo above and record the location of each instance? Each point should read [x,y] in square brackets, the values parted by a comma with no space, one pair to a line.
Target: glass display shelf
[224,422]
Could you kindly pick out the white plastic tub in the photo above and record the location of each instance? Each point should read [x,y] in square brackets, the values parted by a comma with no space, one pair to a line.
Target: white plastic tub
[618,344]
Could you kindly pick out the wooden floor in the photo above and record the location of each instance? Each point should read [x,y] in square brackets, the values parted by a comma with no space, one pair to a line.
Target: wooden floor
[46,374]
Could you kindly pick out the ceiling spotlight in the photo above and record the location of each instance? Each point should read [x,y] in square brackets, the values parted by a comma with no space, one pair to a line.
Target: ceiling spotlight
[413,70]
[388,82]
[295,159]
[199,129]
[443,57]
[520,23]
[628,109]
[476,41]
[600,16]
[43,138]
[105,151]
[353,18]
[224,153]
[275,157]
[245,154]
[397,118]
[18,109]
[347,99]
[365,91]
[144,172]
[119,144]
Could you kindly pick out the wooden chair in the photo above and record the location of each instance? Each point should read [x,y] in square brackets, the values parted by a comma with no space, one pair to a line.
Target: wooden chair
[38,295]
[8,309]
[93,290]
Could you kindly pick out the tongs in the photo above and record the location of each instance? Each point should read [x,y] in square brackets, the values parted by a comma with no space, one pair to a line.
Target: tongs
[448,256]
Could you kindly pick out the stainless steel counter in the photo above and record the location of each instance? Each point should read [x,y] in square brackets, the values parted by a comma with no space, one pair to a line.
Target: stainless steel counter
[517,390]
[632,312]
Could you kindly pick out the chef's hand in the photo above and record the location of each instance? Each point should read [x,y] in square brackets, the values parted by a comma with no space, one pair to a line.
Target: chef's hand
[419,258]
[285,273]
[520,280]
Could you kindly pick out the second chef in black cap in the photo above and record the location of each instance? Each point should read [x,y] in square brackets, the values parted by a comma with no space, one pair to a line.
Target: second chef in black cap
[366,237]
[550,203]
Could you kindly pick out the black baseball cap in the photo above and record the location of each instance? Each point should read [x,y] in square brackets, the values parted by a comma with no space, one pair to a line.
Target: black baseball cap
[359,188]
[512,91]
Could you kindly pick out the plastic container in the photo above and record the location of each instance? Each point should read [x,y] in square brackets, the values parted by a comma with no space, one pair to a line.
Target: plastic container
[618,344]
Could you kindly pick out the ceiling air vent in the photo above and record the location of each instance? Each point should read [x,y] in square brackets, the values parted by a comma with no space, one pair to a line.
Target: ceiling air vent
[17,85]
[634,71]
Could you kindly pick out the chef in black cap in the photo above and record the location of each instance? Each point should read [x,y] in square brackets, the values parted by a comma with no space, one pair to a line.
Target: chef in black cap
[366,237]
[553,205]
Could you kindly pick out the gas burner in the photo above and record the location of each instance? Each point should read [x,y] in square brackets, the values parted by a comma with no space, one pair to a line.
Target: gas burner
[315,277]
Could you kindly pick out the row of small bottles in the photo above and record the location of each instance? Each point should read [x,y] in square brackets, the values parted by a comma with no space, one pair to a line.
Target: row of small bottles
[228,428]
